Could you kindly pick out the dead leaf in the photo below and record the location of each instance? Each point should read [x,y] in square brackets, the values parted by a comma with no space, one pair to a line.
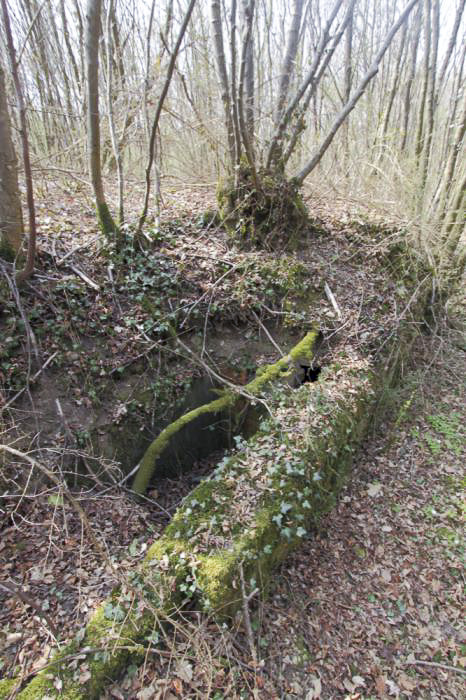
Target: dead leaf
[374,489]
[386,575]
[316,690]
[380,686]
[358,680]
[184,670]
[84,676]
[406,682]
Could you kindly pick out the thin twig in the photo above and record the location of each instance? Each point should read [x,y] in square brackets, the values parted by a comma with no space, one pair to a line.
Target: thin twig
[434,664]
[75,250]
[267,333]
[247,618]
[85,278]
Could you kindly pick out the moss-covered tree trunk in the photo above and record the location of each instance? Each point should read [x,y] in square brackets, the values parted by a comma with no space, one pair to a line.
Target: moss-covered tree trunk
[265,211]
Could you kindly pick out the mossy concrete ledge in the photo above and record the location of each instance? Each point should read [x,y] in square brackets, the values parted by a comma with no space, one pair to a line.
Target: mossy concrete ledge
[260,502]
[266,496]
[119,633]
[303,350]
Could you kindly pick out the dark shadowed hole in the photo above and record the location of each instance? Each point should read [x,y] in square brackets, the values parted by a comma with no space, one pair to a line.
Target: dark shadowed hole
[309,374]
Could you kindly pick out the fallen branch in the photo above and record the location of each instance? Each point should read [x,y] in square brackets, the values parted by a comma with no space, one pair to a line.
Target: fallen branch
[75,250]
[332,300]
[304,349]
[85,278]
[434,664]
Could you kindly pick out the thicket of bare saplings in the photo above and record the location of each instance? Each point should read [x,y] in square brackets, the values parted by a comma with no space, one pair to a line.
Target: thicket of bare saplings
[360,97]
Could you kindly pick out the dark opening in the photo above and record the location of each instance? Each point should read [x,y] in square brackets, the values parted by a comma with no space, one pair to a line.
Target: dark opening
[310,374]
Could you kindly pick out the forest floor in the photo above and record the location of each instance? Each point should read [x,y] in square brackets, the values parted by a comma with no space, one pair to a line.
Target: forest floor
[372,605]
[368,607]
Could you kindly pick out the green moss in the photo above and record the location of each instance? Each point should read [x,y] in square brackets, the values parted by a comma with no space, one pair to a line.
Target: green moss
[7,686]
[106,222]
[118,643]
[7,252]
[303,350]
[267,215]
[298,471]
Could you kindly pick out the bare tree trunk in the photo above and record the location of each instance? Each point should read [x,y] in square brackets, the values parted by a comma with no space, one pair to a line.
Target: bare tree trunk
[348,83]
[452,42]
[316,158]
[158,112]
[11,218]
[429,130]
[275,148]
[242,111]
[290,57]
[453,228]
[419,143]
[223,75]
[300,123]
[450,169]
[111,117]
[93,30]
[234,103]
[394,87]
[412,72]
[28,269]
[249,73]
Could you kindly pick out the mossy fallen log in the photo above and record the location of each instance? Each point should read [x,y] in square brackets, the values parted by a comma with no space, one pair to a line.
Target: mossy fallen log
[302,351]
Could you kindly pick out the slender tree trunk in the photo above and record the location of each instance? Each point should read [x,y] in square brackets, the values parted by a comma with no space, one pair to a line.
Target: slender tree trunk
[249,73]
[275,148]
[431,101]
[290,57]
[11,218]
[242,114]
[452,42]
[451,166]
[407,102]
[300,123]
[111,117]
[223,75]
[348,83]
[93,30]
[158,112]
[233,101]
[419,143]
[28,269]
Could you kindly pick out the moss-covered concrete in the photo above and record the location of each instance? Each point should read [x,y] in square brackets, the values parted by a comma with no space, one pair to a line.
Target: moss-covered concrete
[303,350]
[117,633]
[260,502]
[264,498]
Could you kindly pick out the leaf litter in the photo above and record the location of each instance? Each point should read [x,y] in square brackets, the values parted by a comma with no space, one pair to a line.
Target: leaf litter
[369,607]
